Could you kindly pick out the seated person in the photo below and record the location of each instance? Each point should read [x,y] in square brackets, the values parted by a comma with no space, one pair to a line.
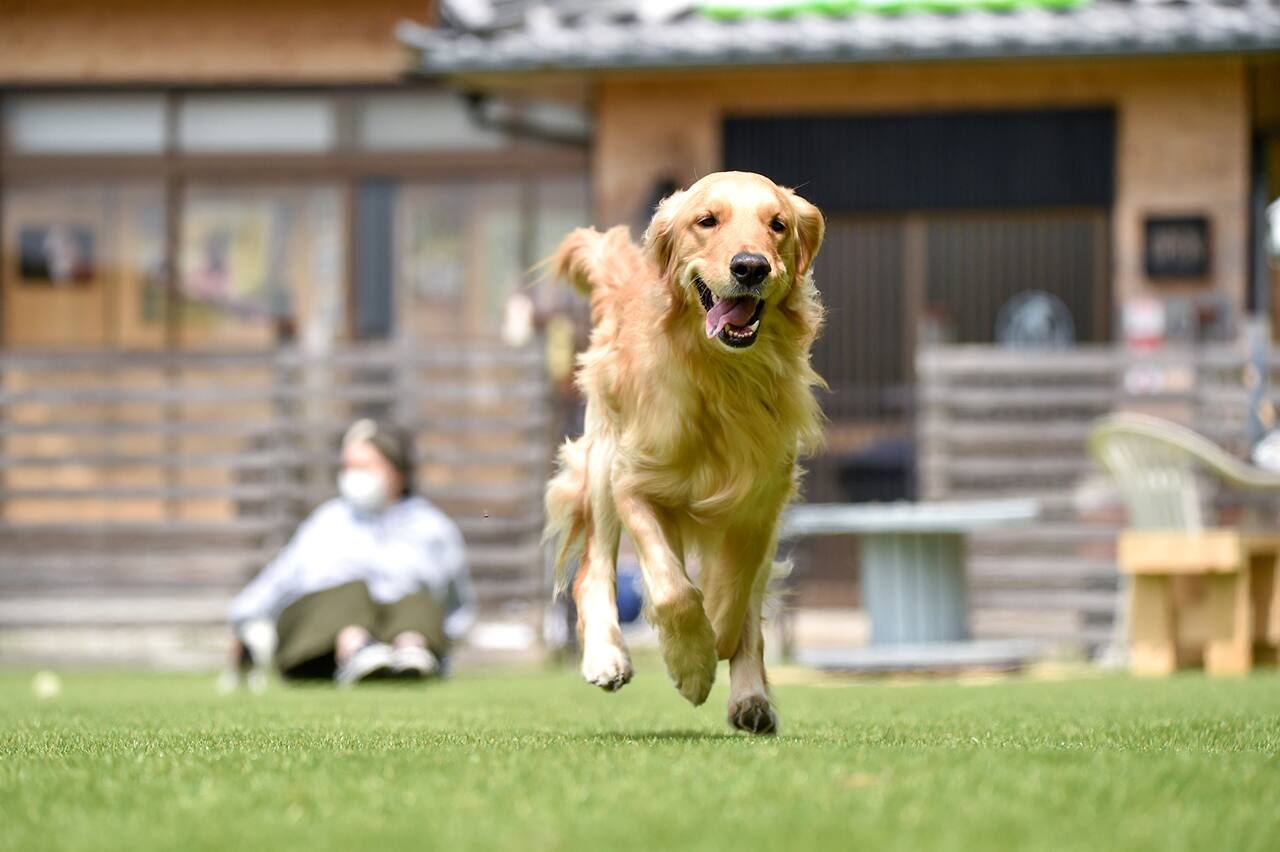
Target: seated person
[373,584]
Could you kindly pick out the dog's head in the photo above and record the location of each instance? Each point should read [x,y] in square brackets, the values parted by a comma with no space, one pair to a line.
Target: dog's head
[735,246]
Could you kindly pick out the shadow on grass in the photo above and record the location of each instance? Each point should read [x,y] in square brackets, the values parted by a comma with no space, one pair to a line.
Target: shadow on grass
[651,736]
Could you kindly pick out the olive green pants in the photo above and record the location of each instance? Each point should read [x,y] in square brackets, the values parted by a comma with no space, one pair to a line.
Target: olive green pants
[308,628]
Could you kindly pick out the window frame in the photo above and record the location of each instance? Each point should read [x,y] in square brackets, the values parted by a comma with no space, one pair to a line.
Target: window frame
[346,165]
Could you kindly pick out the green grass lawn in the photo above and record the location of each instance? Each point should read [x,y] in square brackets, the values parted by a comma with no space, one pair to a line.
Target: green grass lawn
[542,761]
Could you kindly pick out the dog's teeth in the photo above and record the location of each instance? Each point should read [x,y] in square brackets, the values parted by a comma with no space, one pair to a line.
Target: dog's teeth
[755,325]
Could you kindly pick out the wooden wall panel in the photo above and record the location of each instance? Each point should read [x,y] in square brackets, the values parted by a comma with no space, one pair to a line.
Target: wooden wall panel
[202,41]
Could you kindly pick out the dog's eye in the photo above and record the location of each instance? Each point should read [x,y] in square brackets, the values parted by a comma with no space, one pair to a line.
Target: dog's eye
[707,222]
[778,226]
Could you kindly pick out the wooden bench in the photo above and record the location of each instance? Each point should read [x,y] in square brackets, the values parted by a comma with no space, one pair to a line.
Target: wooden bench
[1212,594]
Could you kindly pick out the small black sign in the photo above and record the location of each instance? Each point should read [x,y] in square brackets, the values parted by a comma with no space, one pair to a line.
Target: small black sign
[1177,246]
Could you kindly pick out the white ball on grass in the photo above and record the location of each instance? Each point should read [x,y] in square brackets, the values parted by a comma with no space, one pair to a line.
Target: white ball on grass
[46,686]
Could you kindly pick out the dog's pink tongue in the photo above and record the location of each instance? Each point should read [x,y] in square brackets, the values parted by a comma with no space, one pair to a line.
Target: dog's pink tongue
[735,311]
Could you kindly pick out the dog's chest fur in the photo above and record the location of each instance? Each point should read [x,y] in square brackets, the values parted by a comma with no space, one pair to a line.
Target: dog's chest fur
[718,444]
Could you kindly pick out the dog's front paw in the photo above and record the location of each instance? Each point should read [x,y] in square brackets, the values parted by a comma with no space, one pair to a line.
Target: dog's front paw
[690,656]
[753,714]
[606,665]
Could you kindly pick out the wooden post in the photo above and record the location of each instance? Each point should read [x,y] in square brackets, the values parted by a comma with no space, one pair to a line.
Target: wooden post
[1269,627]
[1230,647]
[1152,650]
[1264,597]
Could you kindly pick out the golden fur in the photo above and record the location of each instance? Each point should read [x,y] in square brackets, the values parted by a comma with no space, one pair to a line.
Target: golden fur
[690,444]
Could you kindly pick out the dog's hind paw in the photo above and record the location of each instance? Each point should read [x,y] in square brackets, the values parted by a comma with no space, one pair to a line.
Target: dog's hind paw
[753,714]
[607,666]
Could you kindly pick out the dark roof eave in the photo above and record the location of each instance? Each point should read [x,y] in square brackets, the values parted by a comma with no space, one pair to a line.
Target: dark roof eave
[842,57]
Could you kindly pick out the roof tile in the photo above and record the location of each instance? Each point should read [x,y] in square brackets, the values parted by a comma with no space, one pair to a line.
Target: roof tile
[612,35]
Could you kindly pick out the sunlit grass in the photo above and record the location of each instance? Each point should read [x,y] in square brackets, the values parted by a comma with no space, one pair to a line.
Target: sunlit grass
[542,761]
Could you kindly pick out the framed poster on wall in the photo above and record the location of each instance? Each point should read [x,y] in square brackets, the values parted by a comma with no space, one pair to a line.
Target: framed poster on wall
[55,255]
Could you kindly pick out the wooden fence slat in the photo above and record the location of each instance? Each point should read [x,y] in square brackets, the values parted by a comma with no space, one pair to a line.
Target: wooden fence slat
[180,534]
[232,568]
[985,401]
[150,573]
[1070,568]
[253,460]
[523,424]
[194,608]
[1077,600]
[1033,432]
[501,494]
[1030,467]
[1059,625]
[471,392]
[227,461]
[472,355]
[176,529]
[982,359]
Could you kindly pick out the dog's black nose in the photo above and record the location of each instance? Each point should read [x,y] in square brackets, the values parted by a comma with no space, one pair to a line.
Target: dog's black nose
[749,269]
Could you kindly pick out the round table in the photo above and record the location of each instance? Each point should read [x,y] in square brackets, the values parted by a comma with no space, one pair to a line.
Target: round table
[912,558]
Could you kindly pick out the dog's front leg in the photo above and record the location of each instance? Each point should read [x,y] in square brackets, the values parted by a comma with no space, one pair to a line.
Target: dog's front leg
[685,636]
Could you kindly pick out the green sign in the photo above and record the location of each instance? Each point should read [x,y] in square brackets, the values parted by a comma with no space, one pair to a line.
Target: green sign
[729,10]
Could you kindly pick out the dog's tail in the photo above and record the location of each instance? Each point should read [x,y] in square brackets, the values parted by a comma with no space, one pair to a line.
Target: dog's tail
[568,508]
[594,261]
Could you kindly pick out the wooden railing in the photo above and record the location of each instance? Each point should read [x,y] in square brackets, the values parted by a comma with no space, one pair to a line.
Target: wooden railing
[143,489]
[1000,422]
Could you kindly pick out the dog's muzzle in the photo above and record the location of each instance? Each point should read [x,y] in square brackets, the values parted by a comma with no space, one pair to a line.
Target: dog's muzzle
[734,320]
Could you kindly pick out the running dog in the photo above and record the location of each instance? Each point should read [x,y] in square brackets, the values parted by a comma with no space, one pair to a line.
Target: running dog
[699,402]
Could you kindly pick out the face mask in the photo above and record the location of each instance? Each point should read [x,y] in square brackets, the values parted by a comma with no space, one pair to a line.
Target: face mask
[365,490]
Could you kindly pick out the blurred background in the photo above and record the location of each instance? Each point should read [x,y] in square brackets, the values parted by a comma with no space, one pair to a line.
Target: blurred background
[227,229]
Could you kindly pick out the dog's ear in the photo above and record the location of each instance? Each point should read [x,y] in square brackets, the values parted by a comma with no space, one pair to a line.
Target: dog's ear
[659,237]
[810,226]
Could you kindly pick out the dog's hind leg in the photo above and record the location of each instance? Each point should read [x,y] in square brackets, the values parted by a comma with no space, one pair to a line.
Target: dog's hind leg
[605,661]
[685,636]
[749,706]
[735,576]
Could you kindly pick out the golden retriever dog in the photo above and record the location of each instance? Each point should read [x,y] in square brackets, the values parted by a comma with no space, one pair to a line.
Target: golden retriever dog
[699,403]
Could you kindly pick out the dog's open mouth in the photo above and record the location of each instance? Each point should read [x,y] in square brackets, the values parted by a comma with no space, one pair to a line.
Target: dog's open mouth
[735,320]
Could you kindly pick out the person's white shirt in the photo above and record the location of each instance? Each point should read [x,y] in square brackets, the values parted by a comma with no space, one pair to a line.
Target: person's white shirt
[407,546]
[1266,453]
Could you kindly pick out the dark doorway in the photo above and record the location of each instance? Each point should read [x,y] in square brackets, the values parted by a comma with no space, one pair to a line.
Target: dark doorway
[935,222]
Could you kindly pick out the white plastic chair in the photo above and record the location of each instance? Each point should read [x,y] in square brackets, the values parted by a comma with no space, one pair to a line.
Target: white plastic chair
[1160,469]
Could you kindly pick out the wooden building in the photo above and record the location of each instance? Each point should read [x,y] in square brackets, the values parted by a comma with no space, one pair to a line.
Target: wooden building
[1111,159]
[963,153]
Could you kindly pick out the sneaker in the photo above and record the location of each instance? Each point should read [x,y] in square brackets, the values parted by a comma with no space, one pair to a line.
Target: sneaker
[371,661]
[414,662]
